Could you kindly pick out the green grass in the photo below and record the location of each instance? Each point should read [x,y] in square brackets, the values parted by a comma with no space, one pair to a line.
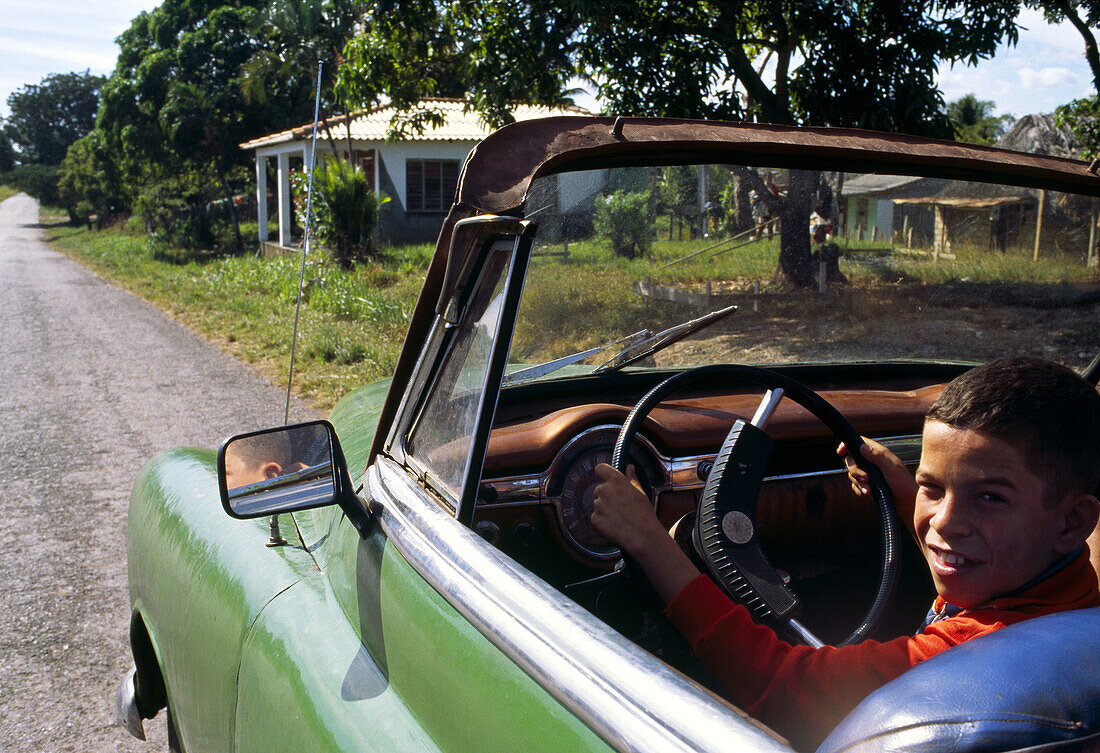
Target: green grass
[353,322]
[6,191]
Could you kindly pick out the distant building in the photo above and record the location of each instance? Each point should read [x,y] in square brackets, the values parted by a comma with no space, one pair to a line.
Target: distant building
[941,215]
[419,173]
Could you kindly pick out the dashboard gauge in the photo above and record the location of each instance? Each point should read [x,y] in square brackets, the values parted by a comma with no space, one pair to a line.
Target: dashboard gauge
[577,492]
[578,489]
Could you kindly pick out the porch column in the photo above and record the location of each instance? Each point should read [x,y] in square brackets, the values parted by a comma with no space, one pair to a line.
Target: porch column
[284,199]
[261,195]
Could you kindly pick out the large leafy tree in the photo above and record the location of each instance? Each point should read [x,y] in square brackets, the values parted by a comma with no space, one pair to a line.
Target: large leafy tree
[865,63]
[46,118]
[185,92]
[194,79]
[298,36]
[7,152]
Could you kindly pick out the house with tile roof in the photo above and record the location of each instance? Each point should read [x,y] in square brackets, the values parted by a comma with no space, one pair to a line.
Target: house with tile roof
[418,173]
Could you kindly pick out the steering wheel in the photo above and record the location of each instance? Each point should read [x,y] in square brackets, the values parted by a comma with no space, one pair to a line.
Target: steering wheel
[724,536]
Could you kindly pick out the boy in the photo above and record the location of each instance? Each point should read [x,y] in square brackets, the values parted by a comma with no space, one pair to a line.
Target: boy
[256,458]
[1001,506]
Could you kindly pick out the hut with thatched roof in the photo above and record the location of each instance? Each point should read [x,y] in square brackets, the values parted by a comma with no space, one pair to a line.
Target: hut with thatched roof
[1008,217]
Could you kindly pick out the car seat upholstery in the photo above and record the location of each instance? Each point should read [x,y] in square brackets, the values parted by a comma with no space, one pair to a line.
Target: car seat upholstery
[1033,685]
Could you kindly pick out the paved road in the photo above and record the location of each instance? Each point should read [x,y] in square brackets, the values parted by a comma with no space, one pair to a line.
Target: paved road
[93,382]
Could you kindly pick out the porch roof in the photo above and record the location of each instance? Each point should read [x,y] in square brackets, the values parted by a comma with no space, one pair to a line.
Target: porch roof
[374,124]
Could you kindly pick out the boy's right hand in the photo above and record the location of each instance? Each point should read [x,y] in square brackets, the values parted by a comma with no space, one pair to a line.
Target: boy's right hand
[622,512]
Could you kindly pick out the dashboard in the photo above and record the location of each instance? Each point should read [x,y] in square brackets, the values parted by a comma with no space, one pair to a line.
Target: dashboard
[539,474]
[538,482]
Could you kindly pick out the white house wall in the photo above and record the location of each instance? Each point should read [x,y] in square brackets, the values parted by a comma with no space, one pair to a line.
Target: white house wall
[395,154]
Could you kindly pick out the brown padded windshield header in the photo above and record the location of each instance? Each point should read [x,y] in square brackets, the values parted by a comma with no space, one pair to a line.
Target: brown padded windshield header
[500,169]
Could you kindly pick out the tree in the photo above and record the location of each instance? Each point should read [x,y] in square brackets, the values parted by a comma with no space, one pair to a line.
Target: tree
[90,182]
[7,152]
[174,107]
[863,63]
[406,52]
[47,117]
[974,122]
[299,35]
[1082,116]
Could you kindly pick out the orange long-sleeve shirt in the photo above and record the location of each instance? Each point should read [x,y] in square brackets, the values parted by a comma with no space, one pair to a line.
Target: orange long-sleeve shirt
[803,692]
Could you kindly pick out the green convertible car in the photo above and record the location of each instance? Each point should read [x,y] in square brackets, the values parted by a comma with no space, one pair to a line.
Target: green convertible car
[595,297]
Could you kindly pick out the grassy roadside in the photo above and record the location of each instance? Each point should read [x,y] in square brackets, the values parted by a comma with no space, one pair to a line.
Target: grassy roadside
[352,323]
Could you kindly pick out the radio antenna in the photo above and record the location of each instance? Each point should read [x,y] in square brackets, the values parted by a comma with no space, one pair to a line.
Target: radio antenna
[306,243]
[276,536]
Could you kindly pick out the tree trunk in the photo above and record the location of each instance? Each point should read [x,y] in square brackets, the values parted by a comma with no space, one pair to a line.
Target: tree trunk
[232,210]
[742,205]
[795,264]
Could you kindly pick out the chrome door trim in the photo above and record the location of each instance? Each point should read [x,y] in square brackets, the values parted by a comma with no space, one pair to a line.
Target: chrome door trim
[635,702]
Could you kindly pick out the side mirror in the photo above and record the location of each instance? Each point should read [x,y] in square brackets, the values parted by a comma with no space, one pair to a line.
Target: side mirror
[285,469]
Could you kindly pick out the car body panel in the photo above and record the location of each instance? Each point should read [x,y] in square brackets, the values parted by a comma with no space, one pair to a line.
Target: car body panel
[403,659]
[231,575]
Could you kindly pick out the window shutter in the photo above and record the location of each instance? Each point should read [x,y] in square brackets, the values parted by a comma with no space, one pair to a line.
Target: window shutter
[414,186]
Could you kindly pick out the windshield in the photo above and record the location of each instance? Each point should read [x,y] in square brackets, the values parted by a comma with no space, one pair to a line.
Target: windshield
[819,266]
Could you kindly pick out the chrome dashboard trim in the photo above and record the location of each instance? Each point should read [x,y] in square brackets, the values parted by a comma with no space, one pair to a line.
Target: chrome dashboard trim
[680,473]
[633,701]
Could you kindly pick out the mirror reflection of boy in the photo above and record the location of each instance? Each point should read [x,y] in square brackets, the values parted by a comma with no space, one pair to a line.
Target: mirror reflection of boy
[259,457]
[1001,506]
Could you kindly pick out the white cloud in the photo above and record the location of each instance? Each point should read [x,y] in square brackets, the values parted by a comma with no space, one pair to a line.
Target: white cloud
[41,37]
[1045,69]
[1043,78]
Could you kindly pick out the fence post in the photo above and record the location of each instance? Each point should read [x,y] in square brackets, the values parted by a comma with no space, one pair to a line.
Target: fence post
[1039,222]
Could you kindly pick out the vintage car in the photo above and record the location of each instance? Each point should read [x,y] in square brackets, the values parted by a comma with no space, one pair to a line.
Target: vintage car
[441,586]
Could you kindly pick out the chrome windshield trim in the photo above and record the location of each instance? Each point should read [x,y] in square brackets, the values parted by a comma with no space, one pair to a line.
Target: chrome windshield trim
[635,702]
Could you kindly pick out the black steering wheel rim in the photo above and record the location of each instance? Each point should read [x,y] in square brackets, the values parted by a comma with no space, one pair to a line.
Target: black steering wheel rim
[768,379]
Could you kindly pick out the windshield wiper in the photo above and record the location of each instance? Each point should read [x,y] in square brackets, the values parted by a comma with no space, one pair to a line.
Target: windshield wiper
[542,369]
[661,340]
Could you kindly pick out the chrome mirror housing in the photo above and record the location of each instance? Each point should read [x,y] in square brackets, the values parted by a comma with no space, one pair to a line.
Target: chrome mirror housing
[283,469]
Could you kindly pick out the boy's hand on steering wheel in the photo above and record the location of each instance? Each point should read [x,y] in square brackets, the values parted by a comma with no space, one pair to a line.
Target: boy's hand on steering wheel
[898,478]
[622,512]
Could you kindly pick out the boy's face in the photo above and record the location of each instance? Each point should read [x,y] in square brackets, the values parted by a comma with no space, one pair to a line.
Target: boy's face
[980,517]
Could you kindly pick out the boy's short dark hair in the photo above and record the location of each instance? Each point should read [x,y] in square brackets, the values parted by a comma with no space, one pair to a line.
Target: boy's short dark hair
[264,448]
[1044,408]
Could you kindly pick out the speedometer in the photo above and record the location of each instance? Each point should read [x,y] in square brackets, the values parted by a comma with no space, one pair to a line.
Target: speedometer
[577,492]
[577,483]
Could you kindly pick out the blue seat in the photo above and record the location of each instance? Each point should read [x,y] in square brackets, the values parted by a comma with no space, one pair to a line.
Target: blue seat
[1036,683]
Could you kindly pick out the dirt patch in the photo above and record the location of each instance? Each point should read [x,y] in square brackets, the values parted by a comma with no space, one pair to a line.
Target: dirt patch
[958,322]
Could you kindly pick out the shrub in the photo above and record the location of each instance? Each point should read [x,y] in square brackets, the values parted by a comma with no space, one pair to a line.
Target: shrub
[624,219]
[345,210]
[175,217]
[40,181]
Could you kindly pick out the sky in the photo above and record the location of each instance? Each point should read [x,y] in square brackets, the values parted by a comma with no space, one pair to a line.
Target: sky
[39,37]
